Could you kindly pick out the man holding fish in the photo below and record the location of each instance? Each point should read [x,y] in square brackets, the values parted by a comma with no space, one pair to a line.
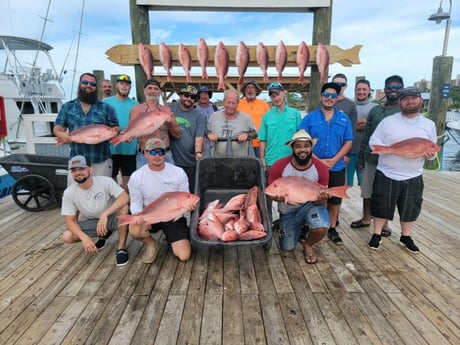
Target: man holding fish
[146,185]
[83,111]
[300,202]
[398,180]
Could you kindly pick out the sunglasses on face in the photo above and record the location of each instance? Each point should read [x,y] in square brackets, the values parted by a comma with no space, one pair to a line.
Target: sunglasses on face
[394,87]
[340,84]
[326,94]
[91,83]
[188,95]
[157,152]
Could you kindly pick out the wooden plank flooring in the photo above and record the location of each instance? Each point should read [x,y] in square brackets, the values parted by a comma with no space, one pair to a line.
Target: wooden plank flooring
[51,293]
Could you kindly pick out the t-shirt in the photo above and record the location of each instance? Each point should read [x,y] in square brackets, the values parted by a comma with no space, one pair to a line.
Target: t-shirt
[90,202]
[256,110]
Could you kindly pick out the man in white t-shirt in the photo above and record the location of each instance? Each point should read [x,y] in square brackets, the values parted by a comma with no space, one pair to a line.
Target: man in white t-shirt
[145,185]
[90,207]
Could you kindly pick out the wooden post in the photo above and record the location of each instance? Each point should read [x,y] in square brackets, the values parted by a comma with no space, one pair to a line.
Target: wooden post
[322,18]
[140,33]
[99,77]
[441,77]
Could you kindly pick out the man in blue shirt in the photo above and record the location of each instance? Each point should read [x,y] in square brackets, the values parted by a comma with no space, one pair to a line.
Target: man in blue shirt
[333,130]
[85,110]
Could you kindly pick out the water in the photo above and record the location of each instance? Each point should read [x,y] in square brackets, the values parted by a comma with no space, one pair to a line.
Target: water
[451,150]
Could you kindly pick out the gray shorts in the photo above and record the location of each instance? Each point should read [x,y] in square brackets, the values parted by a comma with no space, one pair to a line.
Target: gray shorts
[89,225]
[367,179]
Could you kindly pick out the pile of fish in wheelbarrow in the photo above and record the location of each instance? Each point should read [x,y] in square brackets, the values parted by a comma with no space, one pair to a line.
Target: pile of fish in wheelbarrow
[238,219]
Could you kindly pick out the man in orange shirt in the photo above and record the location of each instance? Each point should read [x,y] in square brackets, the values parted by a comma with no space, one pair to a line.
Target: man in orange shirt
[253,106]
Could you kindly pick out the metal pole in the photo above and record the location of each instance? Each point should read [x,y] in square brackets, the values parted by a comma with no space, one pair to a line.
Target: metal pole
[446,38]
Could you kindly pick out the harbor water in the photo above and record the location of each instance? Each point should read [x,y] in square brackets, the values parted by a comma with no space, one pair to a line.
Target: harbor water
[450,160]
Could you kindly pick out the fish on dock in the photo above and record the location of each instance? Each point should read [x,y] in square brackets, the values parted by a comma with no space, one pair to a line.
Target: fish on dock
[146,60]
[280,59]
[203,56]
[186,61]
[412,148]
[241,61]
[221,62]
[91,134]
[322,61]
[262,59]
[166,59]
[302,58]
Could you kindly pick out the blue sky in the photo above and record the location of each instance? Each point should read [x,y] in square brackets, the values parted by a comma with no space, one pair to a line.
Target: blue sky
[396,36]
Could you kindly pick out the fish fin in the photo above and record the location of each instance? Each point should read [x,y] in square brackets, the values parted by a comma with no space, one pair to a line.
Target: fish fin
[339,192]
[116,140]
[125,219]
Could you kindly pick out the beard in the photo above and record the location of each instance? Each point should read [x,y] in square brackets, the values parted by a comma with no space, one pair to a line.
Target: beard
[302,161]
[410,109]
[81,179]
[87,97]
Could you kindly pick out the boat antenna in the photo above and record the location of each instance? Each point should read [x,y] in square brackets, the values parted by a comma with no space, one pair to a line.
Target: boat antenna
[63,71]
[78,46]
[45,19]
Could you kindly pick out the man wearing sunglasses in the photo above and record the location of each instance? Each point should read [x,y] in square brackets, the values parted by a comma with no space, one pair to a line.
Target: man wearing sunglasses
[393,87]
[124,154]
[146,185]
[152,92]
[332,127]
[85,110]
[188,149]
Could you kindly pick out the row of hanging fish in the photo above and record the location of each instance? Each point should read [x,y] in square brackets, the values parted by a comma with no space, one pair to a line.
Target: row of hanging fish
[238,219]
[242,59]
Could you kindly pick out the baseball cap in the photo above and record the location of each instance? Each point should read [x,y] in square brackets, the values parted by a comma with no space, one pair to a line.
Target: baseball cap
[78,162]
[152,81]
[188,89]
[394,78]
[155,143]
[302,135]
[124,77]
[275,87]
[251,82]
[204,89]
[331,85]
[410,91]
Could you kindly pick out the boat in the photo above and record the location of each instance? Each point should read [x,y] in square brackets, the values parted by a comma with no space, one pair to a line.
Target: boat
[30,87]
[454,125]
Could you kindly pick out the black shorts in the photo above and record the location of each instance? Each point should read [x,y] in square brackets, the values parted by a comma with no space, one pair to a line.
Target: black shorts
[174,231]
[407,195]
[336,178]
[125,163]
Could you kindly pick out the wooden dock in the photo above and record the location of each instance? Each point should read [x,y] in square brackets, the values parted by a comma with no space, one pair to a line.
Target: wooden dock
[51,293]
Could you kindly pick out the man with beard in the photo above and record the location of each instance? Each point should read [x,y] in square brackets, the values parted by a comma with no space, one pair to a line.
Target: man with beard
[85,110]
[393,87]
[188,149]
[90,208]
[333,129]
[398,181]
[313,214]
[152,92]
[106,86]
[124,154]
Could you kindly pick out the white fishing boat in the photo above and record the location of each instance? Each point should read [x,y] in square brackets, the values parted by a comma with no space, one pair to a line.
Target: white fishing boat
[30,90]
[455,125]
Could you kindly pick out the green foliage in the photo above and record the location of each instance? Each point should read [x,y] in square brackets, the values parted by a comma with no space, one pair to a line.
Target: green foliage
[455,96]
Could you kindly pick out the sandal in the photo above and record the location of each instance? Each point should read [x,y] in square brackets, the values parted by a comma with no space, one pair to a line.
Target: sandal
[386,231]
[310,258]
[359,224]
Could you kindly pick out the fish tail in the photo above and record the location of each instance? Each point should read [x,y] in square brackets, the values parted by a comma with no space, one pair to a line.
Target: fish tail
[126,219]
[339,192]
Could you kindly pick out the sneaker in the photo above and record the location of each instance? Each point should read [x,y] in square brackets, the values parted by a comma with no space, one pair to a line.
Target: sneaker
[333,235]
[100,243]
[121,257]
[375,241]
[406,241]
[150,254]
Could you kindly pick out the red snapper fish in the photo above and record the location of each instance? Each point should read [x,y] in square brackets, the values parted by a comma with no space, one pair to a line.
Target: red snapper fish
[302,58]
[298,190]
[322,61]
[280,59]
[203,56]
[145,123]
[186,61]
[410,148]
[169,206]
[241,61]
[221,62]
[91,134]
[146,60]
[262,59]
[166,59]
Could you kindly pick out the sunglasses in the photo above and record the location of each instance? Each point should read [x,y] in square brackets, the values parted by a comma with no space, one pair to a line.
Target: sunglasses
[124,78]
[157,152]
[275,84]
[340,84]
[394,87]
[326,94]
[188,95]
[91,83]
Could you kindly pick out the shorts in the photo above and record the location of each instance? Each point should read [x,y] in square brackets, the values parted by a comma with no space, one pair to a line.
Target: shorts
[336,178]
[367,180]
[125,163]
[407,195]
[315,216]
[88,226]
[174,231]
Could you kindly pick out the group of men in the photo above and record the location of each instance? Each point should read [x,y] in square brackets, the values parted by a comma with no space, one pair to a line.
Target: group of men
[329,146]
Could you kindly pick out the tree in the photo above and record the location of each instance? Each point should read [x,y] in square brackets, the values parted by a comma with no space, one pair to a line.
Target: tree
[455,96]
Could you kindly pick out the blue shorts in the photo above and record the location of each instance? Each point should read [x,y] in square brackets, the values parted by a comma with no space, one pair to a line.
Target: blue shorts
[315,216]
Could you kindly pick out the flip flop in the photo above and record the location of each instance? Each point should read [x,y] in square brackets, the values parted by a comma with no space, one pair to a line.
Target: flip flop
[386,231]
[310,258]
[359,224]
